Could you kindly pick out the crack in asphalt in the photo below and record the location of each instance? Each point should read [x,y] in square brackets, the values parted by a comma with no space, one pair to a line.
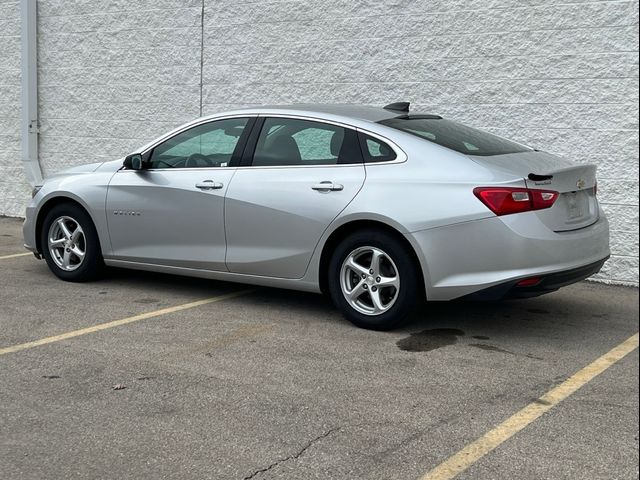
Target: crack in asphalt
[296,455]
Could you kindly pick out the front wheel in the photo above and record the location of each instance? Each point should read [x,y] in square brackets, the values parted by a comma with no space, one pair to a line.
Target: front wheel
[373,279]
[70,244]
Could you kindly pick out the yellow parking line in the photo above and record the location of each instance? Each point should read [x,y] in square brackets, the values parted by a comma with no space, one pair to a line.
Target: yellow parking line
[117,323]
[5,257]
[473,452]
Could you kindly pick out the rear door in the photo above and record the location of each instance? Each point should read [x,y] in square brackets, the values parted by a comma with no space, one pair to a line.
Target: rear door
[576,206]
[297,176]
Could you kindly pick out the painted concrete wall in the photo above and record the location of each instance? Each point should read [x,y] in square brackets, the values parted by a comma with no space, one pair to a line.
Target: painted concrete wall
[562,76]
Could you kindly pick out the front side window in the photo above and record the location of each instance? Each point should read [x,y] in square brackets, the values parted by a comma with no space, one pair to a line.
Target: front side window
[288,141]
[209,145]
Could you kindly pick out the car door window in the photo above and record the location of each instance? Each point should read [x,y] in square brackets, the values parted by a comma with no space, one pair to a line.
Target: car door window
[289,141]
[211,144]
[375,150]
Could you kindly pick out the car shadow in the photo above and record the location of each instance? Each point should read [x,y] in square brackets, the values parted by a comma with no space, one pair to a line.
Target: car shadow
[565,311]
[165,281]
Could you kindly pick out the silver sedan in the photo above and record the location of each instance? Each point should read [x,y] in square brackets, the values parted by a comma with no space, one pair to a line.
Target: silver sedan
[378,207]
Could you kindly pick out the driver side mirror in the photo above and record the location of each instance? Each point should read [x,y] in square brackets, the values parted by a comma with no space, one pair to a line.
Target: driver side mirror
[134,162]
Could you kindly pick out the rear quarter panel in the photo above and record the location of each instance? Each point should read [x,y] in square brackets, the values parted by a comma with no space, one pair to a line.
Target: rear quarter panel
[432,188]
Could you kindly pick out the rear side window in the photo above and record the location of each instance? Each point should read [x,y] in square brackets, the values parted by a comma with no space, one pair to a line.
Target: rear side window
[289,141]
[375,150]
[455,136]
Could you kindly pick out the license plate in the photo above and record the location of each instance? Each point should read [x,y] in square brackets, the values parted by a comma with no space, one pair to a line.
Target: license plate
[575,204]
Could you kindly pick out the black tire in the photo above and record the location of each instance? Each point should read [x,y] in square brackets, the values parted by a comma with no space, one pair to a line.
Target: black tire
[405,264]
[92,265]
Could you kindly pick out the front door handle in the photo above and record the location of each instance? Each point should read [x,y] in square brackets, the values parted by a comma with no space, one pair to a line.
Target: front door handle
[327,186]
[209,185]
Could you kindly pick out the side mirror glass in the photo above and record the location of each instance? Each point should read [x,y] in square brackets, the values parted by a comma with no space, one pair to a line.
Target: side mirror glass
[134,162]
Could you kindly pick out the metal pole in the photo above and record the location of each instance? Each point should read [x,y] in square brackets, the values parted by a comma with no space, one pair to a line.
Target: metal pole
[30,126]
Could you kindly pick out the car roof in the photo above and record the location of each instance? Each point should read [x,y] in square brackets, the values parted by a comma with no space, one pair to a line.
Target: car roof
[318,110]
[359,116]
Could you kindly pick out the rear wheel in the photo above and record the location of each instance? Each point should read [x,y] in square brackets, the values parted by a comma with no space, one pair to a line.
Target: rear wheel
[373,279]
[70,244]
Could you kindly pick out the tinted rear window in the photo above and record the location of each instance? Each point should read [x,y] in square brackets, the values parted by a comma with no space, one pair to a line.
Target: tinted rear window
[455,136]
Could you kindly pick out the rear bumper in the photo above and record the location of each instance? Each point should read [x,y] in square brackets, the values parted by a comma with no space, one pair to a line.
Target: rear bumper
[461,259]
[548,283]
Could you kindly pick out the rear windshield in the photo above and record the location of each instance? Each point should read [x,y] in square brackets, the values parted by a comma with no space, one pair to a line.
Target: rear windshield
[455,136]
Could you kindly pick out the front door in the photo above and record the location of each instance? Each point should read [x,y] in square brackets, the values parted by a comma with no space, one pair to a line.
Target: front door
[302,174]
[172,212]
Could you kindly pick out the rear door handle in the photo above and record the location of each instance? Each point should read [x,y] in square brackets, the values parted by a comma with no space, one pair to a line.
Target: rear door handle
[327,186]
[209,185]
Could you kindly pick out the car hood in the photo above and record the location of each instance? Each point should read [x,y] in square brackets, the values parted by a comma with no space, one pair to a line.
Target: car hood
[110,166]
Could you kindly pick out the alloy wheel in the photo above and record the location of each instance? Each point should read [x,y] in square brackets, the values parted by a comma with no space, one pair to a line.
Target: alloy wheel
[67,243]
[369,280]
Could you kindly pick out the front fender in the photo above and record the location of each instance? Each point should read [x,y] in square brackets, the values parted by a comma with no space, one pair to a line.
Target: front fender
[88,189]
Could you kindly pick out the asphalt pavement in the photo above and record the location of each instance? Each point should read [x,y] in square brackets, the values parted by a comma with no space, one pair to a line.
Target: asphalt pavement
[134,377]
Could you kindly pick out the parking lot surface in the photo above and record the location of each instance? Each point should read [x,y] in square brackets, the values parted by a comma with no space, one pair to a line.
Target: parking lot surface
[276,384]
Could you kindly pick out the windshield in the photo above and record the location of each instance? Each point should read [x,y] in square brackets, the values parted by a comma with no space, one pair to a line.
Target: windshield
[455,136]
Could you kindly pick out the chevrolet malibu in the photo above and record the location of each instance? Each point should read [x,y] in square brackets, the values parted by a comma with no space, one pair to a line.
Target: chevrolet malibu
[378,207]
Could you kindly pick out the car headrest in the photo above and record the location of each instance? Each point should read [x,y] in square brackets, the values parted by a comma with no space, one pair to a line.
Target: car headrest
[277,149]
[336,142]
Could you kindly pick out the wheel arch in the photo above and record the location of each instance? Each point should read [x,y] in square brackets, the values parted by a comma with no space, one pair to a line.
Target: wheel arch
[47,206]
[352,226]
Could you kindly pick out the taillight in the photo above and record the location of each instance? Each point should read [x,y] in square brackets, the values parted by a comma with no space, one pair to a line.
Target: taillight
[505,200]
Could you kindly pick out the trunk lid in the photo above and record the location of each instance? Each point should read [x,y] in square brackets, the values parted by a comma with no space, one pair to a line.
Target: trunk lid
[576,206]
